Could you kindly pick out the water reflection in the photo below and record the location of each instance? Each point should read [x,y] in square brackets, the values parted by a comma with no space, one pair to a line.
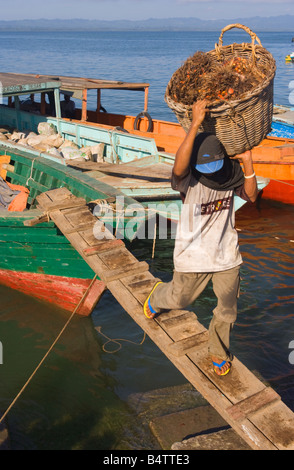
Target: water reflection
[70,403]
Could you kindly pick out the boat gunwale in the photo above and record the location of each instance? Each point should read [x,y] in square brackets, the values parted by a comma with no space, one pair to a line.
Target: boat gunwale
[102,190]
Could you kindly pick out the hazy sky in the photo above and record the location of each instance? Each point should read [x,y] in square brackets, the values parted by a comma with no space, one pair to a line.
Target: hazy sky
[142,9]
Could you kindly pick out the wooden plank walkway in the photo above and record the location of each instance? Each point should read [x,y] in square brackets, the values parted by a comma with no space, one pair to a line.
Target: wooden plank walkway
[252,409]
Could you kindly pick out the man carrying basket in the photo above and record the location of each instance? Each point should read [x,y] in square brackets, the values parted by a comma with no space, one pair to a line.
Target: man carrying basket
[206,246]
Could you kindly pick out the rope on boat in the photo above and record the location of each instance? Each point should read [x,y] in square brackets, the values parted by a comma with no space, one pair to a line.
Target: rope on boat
[283,182]
[49,350]
[31,174]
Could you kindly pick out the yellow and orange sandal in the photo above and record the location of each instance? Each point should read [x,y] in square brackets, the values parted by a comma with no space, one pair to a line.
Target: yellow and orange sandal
[219,366]
[147,306]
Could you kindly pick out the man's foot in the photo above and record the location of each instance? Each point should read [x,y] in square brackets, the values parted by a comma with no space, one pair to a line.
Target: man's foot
[148,312]
[147,307]
[220,367]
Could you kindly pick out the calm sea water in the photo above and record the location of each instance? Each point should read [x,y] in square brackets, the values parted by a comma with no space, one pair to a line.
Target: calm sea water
[83,397]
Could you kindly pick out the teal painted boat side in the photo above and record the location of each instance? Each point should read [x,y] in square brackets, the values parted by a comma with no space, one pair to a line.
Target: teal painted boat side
[41,174]
[119,145]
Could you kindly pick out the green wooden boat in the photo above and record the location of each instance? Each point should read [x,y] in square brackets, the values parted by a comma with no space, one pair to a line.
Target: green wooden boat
[38,260]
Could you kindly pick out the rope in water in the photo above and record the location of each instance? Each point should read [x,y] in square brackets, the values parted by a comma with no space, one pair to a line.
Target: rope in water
[48,352]
[117,341]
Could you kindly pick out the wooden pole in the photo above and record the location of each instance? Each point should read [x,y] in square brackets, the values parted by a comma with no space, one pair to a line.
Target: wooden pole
[84,105]
[98,103]
[57,103]
[43,103]
[17,108]
[98,100]
[146,99]
[57,108]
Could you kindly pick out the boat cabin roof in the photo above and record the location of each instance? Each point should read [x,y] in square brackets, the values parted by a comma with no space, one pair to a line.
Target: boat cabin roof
[71,83]
[12,84]
[79,83]
[16,84]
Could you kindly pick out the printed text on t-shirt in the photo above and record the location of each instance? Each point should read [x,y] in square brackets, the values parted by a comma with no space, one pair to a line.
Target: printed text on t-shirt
[216,206]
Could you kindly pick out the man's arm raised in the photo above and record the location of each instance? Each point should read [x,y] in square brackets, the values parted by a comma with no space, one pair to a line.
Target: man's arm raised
[183,155]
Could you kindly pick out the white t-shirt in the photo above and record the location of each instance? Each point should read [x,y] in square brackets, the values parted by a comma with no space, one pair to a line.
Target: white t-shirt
[206,238]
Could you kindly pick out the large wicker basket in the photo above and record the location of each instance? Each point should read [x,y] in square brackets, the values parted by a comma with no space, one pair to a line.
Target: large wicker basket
[243,123]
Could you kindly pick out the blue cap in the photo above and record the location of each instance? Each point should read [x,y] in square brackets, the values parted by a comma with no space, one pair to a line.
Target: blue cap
[210,167]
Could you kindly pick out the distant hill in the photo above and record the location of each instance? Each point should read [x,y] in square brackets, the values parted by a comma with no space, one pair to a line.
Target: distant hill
[257,23]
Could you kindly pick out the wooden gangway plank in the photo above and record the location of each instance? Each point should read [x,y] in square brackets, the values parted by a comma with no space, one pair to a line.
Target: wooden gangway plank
[255,411]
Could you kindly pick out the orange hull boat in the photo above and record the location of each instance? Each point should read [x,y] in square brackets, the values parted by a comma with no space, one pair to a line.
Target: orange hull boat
[273,158]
